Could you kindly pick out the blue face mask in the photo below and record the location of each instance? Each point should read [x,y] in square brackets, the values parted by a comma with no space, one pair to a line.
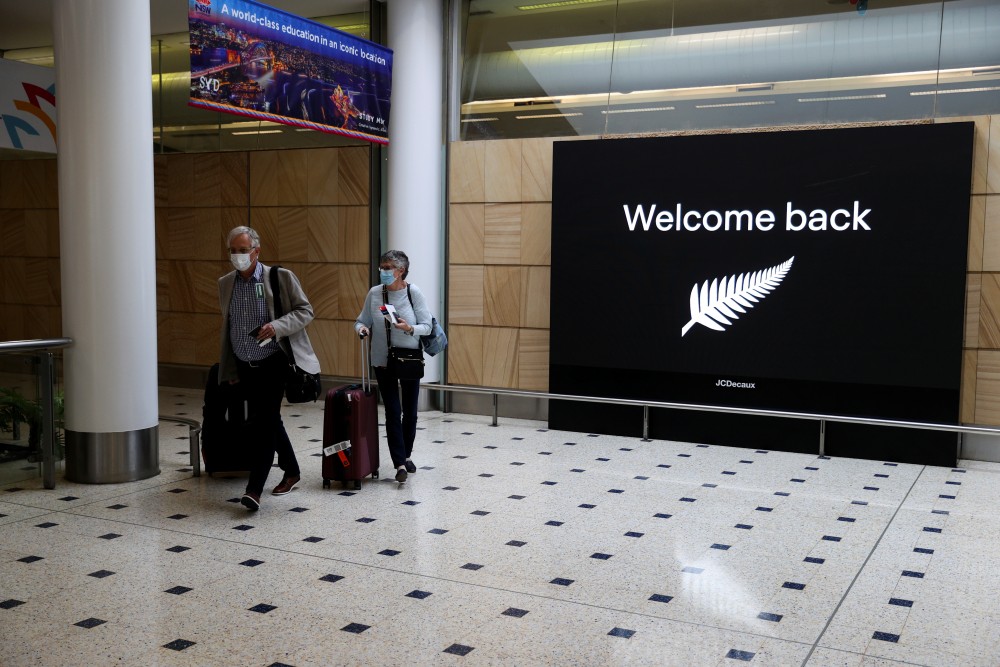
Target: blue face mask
[386,277]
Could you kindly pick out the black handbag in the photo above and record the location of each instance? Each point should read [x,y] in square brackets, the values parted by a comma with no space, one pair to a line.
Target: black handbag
[406,363]
[300,386]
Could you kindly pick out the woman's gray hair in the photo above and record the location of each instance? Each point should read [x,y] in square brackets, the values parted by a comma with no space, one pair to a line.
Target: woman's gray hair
[238,231]
[398,259]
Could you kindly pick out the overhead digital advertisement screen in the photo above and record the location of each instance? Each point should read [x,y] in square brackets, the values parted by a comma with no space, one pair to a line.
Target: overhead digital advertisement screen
[257,61]
[811,271]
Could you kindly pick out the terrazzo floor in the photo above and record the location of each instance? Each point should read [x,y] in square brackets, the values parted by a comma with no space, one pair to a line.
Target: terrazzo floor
[510,545]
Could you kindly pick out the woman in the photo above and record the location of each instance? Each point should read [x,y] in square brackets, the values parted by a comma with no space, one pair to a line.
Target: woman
[413,320]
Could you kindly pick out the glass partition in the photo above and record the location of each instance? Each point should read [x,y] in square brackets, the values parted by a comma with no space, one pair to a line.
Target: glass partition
[609,67]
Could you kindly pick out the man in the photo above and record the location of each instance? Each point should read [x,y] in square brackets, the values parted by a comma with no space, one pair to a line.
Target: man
[254,352]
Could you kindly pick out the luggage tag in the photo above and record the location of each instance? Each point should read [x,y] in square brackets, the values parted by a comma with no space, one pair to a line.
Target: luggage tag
[340,449]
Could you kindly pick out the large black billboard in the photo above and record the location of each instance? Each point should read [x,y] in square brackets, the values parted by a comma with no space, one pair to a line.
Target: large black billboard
[812,271]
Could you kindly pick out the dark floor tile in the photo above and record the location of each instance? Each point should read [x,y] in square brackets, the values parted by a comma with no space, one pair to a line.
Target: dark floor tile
[472,566]
[559,581]
[899,602]
[365,519]
[110,536]
[600,556]
[178,517]
[356,628]
[621,632]
[243,527]
[516,543]
[262,608]
[885,637]
[178,590]
[30,559]
[657,597]
[437,531]
[179,644]
[813,559]
[794,586]
[553,523]
[745,656]
[47,524]
[632,533]
[418,594]
[100,574]
[768,616]
[911,573]
[178,549]
[459,649]
[331,578]
[721,547]
[389,552]
[514,612]
[10,604]
[252,562]
[922,550]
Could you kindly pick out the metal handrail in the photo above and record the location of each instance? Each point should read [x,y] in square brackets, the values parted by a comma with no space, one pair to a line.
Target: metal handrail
[646,405]
[35,344]
[46,383]
[194,439]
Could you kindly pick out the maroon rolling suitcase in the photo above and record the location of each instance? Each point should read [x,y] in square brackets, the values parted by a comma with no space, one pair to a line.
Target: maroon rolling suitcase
[350,429]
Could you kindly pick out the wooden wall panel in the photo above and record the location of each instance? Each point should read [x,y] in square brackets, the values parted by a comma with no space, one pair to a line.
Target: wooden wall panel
[977,234]
[323,178]
[34,184]
[194,286]
[41,233]
[465,294]
[465,355]
[535,288]
[536,170]
[13,275]
[973,295]
[13,232]
[467,177]
[293,235]
[988,388]
[993,160]
[207,188]
[323,231]
[500,361]
[536,233]
[12,184]
[321,283]
[467,233]
[353,235]
[991,236]
[163,285]
[354,286]
[502,296]
[353,175]
[278,178]
[533,360]
[970,360]
[989,311]
[180,180]
[502,240]
[503,171]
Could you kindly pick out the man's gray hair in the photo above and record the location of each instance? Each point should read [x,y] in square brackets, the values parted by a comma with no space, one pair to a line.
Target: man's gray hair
[398,259]
[242,229]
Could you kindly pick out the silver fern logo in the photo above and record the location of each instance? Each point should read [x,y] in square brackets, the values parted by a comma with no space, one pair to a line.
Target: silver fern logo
[716,305]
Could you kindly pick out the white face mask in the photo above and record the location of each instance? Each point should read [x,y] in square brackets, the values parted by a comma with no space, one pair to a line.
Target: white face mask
[241,262]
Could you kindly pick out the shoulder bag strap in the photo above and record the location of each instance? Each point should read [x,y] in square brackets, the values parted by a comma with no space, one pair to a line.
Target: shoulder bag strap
[278,310]
[388,331]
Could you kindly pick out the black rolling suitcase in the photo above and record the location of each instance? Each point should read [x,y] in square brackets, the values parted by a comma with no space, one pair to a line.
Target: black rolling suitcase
[350,429]
[223,427]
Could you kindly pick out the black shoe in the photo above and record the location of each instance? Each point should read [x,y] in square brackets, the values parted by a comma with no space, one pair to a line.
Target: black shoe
[251,501]
[409,466]
[400,474]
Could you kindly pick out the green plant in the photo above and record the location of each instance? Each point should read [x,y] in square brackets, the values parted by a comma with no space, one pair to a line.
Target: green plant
[17,409]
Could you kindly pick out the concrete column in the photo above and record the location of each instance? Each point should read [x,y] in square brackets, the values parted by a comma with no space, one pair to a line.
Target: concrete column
[416,148]
[106,230]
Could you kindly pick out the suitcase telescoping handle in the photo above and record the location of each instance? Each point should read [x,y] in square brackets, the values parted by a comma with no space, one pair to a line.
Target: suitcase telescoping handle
[366,357]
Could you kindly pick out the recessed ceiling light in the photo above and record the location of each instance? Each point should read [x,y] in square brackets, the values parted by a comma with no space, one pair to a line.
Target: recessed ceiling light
[550,5]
